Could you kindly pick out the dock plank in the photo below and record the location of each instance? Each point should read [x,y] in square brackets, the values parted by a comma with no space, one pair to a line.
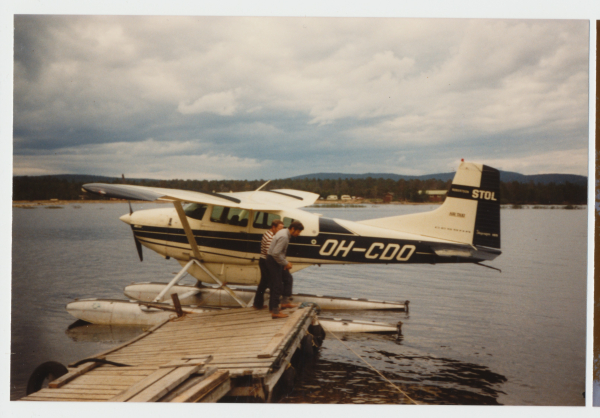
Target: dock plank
[278,338]
[203,388]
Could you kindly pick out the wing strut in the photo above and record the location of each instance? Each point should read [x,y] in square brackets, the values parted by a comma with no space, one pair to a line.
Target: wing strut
[187,229]
[197,259]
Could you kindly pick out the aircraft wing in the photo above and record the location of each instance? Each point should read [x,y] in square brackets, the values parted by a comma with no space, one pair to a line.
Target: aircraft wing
[256,200]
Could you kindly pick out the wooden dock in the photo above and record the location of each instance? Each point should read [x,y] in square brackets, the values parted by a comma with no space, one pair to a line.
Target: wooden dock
[194,358]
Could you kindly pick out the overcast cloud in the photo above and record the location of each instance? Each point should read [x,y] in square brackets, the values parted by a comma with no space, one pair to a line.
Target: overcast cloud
[263,98]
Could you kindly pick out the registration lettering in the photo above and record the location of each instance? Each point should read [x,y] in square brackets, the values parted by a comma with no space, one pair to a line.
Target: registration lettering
[376,251]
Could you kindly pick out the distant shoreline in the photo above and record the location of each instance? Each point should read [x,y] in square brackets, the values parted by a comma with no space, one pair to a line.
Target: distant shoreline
[29,204]
[36,203]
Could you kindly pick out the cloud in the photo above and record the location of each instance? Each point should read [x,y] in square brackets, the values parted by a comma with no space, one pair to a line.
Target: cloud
[222,103]
[573,161]
[296,95]
[157,160]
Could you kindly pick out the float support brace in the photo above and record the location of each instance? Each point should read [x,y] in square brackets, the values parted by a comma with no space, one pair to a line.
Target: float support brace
[227,289]
[174,281]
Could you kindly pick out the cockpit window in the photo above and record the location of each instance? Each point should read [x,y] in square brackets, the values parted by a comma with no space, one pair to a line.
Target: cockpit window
[263,220]
[195,211]
[229,216]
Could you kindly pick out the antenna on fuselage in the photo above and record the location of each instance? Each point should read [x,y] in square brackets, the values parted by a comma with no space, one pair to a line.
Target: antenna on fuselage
[262,186]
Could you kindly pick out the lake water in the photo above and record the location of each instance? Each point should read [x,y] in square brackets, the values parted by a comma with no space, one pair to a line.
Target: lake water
[473,335]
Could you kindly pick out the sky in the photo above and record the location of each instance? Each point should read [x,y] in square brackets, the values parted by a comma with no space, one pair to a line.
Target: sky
[215,98]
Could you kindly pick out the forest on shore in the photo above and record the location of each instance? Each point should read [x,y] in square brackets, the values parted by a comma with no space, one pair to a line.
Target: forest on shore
[55,187]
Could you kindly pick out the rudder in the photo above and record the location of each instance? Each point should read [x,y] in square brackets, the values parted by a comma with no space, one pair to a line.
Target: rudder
[486,229]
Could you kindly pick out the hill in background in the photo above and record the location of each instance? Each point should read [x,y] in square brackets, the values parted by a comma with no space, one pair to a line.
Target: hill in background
[505,176]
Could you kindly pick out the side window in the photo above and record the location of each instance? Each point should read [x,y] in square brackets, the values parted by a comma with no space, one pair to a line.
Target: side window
[195,211]
[229,216]
[287,222]
[219,214]
[263,220]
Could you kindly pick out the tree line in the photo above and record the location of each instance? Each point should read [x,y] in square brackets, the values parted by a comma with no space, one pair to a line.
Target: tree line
[49,187]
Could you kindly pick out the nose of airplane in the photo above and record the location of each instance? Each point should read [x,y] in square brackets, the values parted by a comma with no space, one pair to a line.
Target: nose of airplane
[126,218]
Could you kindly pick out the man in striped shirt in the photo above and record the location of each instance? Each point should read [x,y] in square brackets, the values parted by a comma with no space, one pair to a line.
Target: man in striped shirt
[259,298]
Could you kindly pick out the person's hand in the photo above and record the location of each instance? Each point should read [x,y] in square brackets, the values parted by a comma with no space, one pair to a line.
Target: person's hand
[289,266]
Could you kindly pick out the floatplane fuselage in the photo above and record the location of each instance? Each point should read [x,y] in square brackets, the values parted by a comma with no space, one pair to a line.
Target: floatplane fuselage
[216,236]
[465,229]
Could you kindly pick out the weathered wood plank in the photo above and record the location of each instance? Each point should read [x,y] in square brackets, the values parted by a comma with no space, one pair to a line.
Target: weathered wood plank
[290,324]
[199,331]
[190,346]
[248,338]
[141,385]
[88,391]
[192,381]
[218,392]
[161,387]
[56,383]
[203,388]
[60,396]
[102,380]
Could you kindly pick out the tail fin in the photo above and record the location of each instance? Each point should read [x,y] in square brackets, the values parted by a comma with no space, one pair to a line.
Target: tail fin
[469,215]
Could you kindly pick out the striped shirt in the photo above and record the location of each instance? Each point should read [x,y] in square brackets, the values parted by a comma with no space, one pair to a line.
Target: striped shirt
[265,243]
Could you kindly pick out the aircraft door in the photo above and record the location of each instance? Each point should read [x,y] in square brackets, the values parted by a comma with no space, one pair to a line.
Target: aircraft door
[226,232]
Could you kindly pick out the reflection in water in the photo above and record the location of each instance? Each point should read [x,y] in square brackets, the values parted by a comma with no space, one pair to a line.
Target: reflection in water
[331,377]
[81,331]
[427,380]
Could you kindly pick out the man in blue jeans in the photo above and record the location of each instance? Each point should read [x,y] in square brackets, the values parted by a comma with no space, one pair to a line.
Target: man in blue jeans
[279,269]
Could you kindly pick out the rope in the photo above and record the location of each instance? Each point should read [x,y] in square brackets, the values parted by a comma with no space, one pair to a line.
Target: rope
[378,372]
[99,360]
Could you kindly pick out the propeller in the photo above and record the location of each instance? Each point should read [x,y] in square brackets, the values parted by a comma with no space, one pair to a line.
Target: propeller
[138,244]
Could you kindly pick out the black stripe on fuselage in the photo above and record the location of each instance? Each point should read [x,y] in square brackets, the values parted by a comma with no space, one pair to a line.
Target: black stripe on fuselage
[325,246]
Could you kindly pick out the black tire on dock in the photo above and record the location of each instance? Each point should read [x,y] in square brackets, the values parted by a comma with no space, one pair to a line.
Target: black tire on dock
[306,345]
[287,379]
[318,333]
[44,373]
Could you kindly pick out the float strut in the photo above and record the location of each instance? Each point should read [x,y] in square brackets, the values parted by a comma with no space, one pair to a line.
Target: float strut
[227,289]
[174,281]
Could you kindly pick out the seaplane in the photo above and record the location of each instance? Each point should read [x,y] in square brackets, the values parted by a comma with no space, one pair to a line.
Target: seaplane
[215,237]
